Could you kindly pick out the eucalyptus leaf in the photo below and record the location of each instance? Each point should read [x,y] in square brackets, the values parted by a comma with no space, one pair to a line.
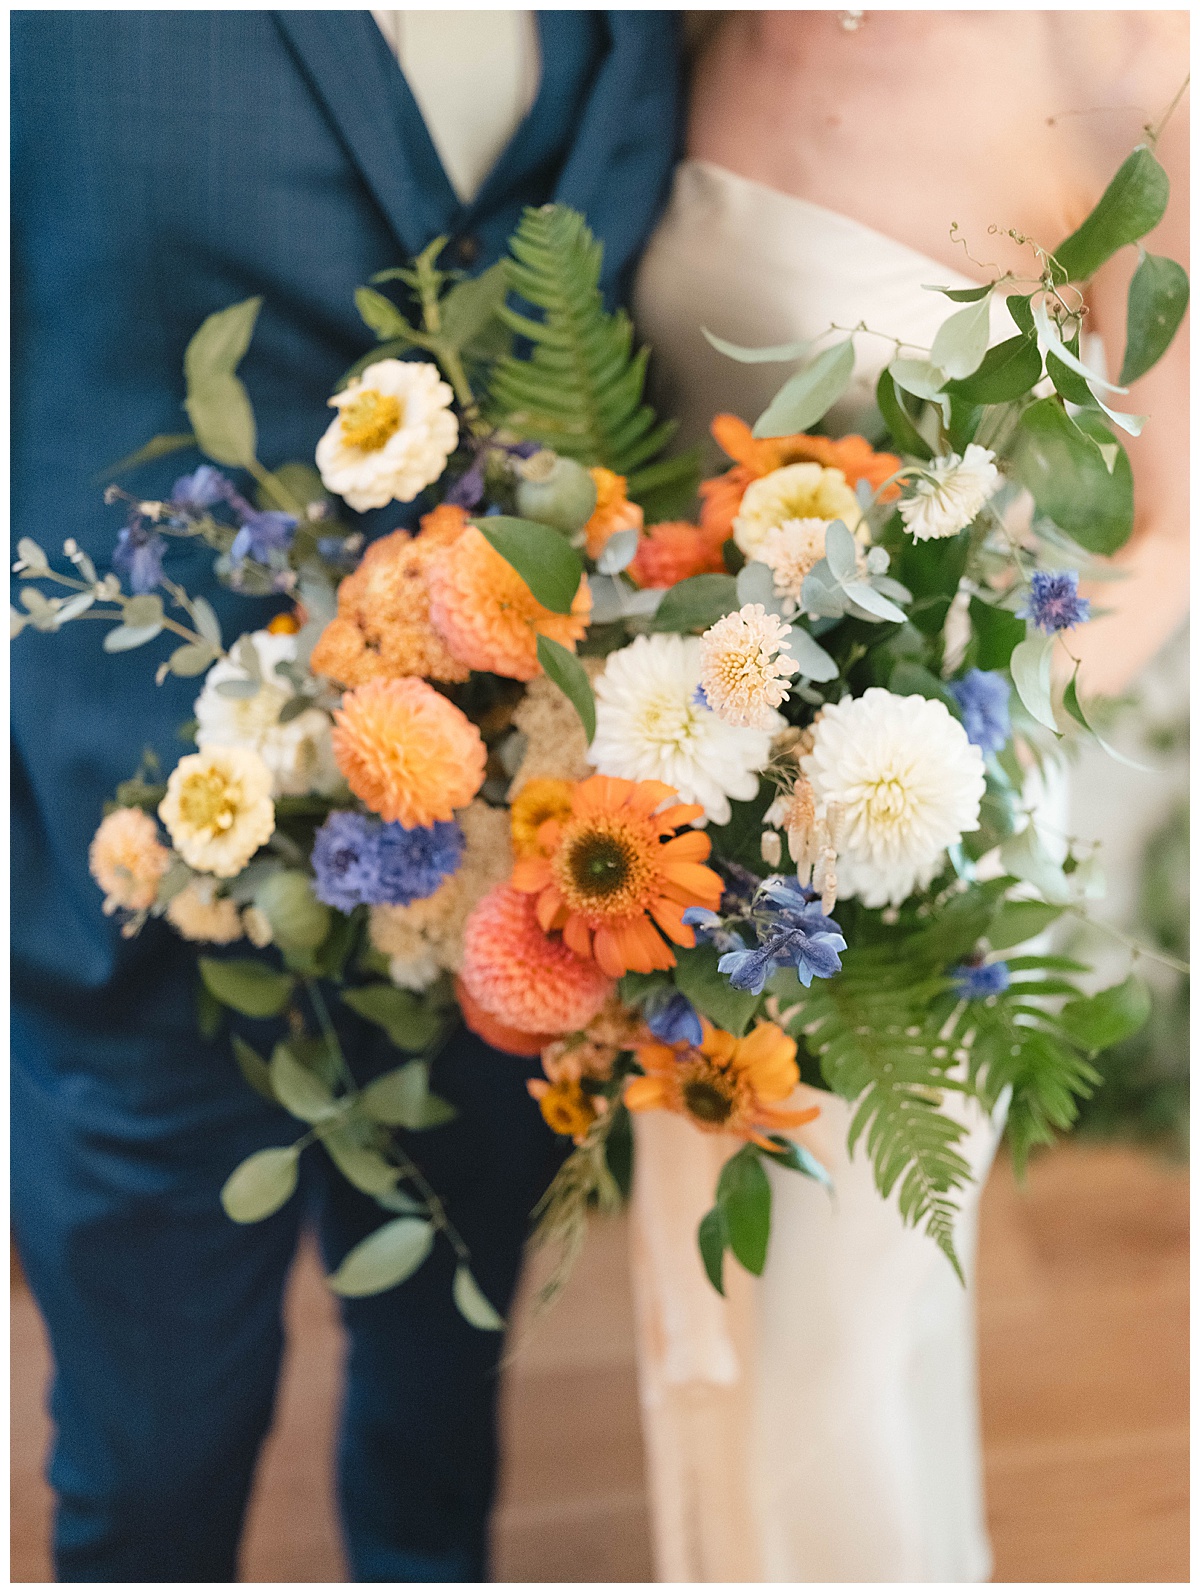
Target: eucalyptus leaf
[261,1184]
[143,611]
[361,1165]
[807,396]
[960,343]
[193,658]
[812,661]
[473,1304]
[206,620]
[219,410]
[696,603]
[756,584]
[1023,856]
[873,604]
[841,552]
[253,1068]
[300,1091]
[408,1022]
[384,1259]
[618,551]
[157,448]
[545,561]
[123,637]
[239,690]
[569,675]
[1029,666]
[220,343]
[75,606]
[777,354]
[250,987]
[397,1098]
[1132,205]
[1158,297]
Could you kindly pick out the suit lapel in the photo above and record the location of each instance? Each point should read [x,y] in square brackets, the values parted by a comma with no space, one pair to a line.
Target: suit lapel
[355,76]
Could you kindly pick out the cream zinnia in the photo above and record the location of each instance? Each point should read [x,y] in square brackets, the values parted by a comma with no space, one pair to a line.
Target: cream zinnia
[743,669]
[908,784]
[794,492]
[218,809]
[949,493]
[392,437]
[650,726]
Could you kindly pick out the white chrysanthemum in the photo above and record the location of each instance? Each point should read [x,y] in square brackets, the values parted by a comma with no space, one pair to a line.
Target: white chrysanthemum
[649,726]
[908,782]
[299,753]
[790,551]
[950,494]
[794,492]
[218,809]
[392,437]
[743,670]
[198,913]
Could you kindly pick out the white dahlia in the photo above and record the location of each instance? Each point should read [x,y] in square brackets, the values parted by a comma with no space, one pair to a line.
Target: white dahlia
[652,725]
[298,753]
[949,494]
[392,437]
[794,492]
[908,783]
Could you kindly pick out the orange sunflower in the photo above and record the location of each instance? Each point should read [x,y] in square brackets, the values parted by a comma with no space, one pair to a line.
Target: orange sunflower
[724,1085]
[613,870]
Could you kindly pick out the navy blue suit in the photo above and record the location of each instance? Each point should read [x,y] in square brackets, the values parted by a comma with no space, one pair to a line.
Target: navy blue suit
[165,164]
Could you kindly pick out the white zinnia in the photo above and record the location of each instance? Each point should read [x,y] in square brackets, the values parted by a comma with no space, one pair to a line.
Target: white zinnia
[392,437]
[950,494]
[299,753]
[649,726]
[908,782]
[743,668]
[794,492]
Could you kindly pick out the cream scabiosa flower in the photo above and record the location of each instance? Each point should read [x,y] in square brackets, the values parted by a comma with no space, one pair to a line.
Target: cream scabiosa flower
[198,913]
[949,493]
[907,782]
[299,753]
[218,809]
[127,860]
[794,492]
[743,668]
[790,551]
[650,726]
[392,437]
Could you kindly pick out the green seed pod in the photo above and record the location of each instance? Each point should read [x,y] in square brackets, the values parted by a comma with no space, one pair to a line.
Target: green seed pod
[555,491]
[299,922]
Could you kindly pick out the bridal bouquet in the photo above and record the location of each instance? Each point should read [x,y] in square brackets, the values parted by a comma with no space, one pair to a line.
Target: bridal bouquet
[692,812]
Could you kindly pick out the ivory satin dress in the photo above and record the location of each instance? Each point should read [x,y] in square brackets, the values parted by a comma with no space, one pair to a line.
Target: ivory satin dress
[821,1424]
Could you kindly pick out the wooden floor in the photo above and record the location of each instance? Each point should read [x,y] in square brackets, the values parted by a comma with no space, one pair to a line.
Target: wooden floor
[1084,1343]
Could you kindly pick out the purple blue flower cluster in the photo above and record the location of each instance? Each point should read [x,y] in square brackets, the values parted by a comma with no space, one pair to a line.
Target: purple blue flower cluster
[789,929]
[1054,603]
[671,1017]
[983,697]
[359,861]
[138,555]
[977,981]
[261,532]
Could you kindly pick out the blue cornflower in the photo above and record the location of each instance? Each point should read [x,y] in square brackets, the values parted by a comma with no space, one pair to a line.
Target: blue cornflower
[671,1017]
[138,556]
[263,532]
[413,863]
[700,699]
[975,981]
[792,932]
[983,697]
[203,489]
[1054,603]
[345,860]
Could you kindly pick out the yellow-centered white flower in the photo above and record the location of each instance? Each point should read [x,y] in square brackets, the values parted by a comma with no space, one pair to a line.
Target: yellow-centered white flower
[743,669]
[650,726]
[950,493]
[908,784]
[794,492]
[218,809]
[392,436]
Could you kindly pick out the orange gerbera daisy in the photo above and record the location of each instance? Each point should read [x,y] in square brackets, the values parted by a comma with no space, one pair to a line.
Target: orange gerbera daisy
[408,753]
[608,874]
[723,1085]
[613,511]
[758,456]
[673,550]
[487,615]
[537,801]
[382,628]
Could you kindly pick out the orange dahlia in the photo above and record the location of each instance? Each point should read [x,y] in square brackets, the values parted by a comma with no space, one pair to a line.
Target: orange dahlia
[523,977]
[487,615]
[608,874]
[537,801]
[500,1036]
[406,752]
[673,550]
[382,628]
[723,1085]
[613,511]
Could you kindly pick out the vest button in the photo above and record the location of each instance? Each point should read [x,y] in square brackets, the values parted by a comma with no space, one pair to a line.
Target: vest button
[468,249]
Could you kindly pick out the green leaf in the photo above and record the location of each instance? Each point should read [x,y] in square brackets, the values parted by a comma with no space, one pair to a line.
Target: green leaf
[696,603]
[1030,669]
[141,612]
[157,448]
[997,632]
[364,1167]
[713,1238]
[961,295]
[1024,856]
[1017,922]
[473,1304]
[900,423]
[193,658]
[1020,307]
[1074,707]
[221,342]
[710,992]
[909,679]
[398,1098]
[219,409]
[777,354]
[409,1023]
[1059,459]
[807,396]
[209,1012]
[1110,1016]
[261,1184]
[253,1069]
[1158,297]
[303,1094]
[961,342]
[384,1259]
[1132,205]
[545,561]
[250,987]
[124,637]
[569,675]
[1006,372]
[744,1196]
[382,316]
[789,1154]
[470,305]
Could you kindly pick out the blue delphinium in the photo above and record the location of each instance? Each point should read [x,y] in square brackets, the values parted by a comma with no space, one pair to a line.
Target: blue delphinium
[983,697]
[204,489]
[712,930]
[138,556]
[345,860]
[263,532]
[792,932]
[1054,603]
[977,981]
[413,863]
[671,1017]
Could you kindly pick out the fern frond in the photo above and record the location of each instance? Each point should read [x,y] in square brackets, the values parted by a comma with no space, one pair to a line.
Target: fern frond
[580,391]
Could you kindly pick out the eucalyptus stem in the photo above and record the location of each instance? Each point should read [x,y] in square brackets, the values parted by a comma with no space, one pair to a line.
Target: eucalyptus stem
[328,1032]
[1154,131]
[437,1211]
[1134,945]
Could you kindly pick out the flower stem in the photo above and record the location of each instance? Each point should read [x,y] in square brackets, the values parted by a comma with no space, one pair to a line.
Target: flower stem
[328,1032]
